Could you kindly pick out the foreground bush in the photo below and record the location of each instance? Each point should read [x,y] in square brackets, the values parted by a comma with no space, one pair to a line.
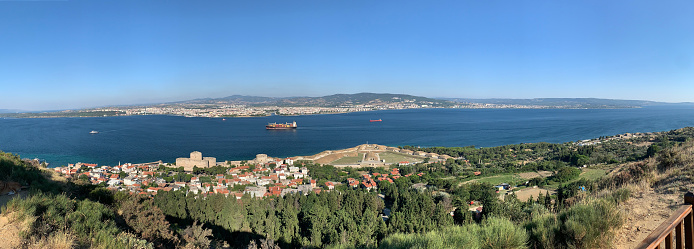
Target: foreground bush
[590,224]
[48,219]
[490,234]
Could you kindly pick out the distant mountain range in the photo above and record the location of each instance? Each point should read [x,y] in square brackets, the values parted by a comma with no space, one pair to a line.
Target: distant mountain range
[562,102]
[334,100]
[368,101]
[380,98]
[9,111]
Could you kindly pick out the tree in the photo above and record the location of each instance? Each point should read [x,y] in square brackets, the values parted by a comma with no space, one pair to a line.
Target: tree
[462,214]
[148,220]
[566,174]
[653,150]
[83,178]
[196,236]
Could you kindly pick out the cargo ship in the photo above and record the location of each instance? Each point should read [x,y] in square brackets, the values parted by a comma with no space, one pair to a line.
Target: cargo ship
[375,120]
[285,126]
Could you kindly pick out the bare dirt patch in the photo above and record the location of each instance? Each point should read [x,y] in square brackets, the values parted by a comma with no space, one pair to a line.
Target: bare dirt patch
[525,194]
[643,144]
[531,175]
[9,232]
[643,213]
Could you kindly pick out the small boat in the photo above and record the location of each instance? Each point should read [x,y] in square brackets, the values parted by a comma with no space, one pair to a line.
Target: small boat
[93,132]
[285,126]
[375,120]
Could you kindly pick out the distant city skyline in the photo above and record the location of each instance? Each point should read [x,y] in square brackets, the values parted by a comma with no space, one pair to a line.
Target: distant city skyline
[81,54]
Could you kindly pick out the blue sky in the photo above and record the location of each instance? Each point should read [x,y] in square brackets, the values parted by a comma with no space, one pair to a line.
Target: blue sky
[74,54]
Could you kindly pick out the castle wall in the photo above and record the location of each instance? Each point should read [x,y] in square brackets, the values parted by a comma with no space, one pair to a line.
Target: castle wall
[195,159]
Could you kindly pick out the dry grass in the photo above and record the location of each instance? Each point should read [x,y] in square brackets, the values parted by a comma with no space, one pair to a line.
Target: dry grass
[57,240]
[654,196]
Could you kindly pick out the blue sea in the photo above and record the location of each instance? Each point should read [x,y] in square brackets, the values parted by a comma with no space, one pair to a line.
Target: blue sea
[138,139]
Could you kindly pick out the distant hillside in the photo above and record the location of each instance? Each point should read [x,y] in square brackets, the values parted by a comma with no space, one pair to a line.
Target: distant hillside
[563,102]
[233,99]
[9,111]
[326,101]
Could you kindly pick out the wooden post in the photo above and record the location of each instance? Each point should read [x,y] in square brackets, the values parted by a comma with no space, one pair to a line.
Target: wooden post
[689,223]
[668,241]
[678,235]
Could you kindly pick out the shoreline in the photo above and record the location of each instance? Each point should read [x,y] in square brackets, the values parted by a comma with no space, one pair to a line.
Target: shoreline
[13,115]
[594,141]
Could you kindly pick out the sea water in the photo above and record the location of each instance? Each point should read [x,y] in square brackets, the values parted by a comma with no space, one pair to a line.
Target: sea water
[138,139]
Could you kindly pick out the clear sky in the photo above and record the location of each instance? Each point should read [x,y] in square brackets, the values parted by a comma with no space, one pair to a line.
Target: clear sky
[74,54]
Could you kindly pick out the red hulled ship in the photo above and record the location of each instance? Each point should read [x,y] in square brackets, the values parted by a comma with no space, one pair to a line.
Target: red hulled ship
[285,126]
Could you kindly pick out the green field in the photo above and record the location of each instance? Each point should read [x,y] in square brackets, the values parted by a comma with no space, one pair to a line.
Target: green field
[349,160]
[391,157]
[498,179]
[592,174]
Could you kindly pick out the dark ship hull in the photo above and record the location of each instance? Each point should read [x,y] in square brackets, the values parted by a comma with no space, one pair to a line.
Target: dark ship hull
[285,126]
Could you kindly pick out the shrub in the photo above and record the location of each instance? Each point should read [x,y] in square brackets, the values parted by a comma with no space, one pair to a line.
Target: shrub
[621,195]
[501,233]
[451,237]
[58,220]
[565,174]
[589,225]
[492,233]
[543,231]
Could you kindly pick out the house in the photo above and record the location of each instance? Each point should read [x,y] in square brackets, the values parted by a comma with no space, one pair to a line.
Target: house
[305,189]
[354,184]
[432,155]
[289,191]
[194,190]
[129,181]
[503,186]
[113,182]
[263,182]
[258,192]
[409,152]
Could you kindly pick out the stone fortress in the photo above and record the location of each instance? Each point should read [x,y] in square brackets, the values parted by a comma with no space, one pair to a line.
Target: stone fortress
[365,155]
[196,159]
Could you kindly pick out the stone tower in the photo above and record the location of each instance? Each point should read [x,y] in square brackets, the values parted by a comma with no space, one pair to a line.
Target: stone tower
[196,155]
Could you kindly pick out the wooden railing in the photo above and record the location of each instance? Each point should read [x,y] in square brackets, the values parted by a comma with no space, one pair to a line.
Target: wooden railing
[677,231]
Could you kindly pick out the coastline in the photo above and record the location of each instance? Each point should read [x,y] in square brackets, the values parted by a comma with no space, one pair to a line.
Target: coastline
[67,115]
[164,137]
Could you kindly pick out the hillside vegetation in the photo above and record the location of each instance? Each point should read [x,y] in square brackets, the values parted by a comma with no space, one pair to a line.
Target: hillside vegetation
[584,212]
[334,100]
